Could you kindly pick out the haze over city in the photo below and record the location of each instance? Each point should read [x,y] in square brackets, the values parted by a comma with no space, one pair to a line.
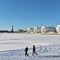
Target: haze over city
[29,13]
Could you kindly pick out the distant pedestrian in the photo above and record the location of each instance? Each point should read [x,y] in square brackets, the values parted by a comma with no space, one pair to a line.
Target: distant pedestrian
[26,51]
[34,50]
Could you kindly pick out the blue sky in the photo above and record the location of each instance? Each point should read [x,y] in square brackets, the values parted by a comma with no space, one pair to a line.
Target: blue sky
[29,13]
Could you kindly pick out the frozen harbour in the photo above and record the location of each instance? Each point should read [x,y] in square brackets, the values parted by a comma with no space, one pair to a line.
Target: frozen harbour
[12,46]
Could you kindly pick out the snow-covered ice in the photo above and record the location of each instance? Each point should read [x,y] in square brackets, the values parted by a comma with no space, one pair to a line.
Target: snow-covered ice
[12,46]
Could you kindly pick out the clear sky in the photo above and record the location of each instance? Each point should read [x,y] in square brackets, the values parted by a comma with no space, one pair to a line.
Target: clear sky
[29,13]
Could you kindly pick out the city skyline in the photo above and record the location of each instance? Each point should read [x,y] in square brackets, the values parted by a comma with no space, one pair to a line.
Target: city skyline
[29,13]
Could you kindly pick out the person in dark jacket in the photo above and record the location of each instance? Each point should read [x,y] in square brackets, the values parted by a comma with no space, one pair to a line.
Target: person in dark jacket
[26,51]
[34,50]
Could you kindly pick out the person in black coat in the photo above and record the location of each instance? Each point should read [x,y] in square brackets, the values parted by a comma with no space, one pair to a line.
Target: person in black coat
[34,50]
[26,51]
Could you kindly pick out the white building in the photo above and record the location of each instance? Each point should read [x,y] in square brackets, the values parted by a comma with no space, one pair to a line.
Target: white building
[51,29]
[48,29]
[43,29]
[58,28]
[37,30]
[30,30]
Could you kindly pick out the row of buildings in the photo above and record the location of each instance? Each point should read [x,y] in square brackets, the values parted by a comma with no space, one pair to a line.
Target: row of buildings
[44,29]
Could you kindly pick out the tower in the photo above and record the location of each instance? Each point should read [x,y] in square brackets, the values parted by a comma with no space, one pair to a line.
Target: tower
[12,29]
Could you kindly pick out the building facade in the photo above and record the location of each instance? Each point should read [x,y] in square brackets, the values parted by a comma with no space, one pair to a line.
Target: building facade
[58,28]
[37,30]
[30,30]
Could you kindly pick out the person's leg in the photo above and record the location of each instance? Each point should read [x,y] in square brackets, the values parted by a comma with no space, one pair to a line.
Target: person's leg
[25,53]
[33,53]
[36,53]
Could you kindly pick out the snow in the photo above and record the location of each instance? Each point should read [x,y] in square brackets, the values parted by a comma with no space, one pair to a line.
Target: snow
[12,46]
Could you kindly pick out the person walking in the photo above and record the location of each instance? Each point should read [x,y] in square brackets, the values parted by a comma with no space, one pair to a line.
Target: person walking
[34,50]
[26,51]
